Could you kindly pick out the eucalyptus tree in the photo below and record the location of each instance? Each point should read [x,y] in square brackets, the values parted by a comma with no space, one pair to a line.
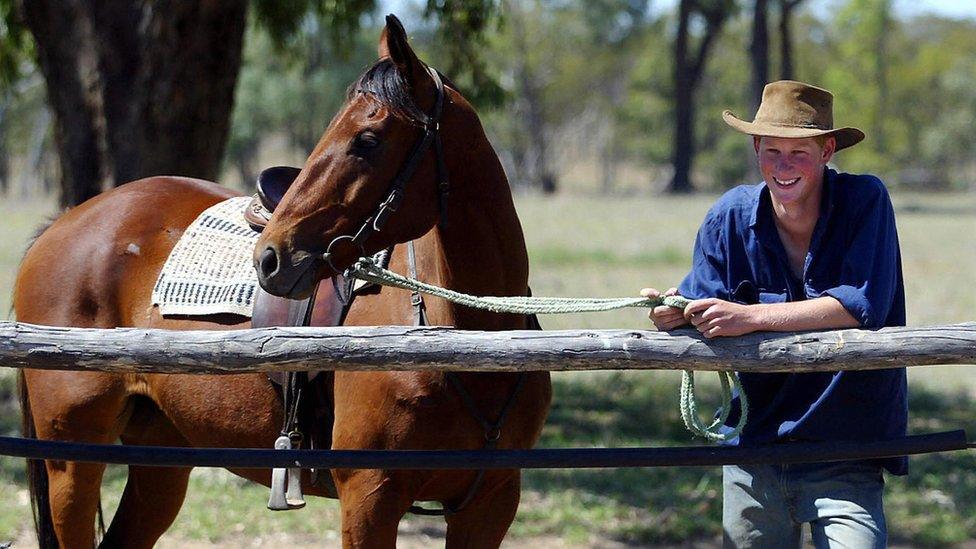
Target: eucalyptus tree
[691,50]
[144,88]
[786,10]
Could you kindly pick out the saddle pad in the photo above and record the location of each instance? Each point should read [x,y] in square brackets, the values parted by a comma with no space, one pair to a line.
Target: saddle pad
[210,270]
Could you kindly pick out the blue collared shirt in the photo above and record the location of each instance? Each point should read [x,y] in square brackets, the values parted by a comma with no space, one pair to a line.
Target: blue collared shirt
[854,257]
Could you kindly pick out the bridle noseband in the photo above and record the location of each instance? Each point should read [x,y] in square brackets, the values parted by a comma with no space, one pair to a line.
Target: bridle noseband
[394,195]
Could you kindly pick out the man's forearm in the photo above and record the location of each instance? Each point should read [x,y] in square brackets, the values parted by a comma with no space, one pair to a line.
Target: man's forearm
[822,313]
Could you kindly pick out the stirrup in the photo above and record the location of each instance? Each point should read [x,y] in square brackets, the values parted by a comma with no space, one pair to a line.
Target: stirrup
[282,500]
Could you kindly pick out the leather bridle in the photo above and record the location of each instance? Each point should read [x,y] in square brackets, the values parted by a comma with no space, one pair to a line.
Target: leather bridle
[395,193]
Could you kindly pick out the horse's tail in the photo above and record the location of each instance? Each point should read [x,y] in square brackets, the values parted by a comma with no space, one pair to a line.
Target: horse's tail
[37,481]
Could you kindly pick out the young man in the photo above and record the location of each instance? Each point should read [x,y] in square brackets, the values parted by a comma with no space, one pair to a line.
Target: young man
[807,249]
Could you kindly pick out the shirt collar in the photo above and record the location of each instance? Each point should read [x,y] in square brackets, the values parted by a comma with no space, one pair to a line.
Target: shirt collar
[763,208]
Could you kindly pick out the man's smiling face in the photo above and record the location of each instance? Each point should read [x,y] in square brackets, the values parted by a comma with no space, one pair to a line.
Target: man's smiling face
[793,168]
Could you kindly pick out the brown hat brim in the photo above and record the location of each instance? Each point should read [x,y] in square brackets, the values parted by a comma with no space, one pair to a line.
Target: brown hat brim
[846,137]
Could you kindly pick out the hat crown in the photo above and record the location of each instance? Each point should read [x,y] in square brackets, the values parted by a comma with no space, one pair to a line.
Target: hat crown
[795,104]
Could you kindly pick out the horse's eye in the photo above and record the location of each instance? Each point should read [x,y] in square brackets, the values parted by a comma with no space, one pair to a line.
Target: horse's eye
[366,140]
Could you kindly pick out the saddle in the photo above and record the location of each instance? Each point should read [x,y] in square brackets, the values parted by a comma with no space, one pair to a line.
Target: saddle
[272,185]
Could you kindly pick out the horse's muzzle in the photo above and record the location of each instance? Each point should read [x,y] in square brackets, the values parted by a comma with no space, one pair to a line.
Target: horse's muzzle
[286,275]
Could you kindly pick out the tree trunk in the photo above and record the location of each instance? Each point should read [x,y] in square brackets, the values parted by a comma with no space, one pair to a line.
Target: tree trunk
[687,74]
[786,38]
[881,76]
[536,166]
[759,52]
[137,88]
[4,149]
[64,39]
[683,152]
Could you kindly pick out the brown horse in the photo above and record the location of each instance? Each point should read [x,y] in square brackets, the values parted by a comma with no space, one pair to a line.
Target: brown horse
[96,265]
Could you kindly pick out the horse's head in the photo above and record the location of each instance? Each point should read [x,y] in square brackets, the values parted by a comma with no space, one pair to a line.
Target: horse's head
[373,179]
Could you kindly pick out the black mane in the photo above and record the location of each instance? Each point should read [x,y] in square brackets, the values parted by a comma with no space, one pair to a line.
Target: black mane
[384,83]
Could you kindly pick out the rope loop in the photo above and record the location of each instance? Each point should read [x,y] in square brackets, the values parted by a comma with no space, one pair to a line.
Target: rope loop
[716,431]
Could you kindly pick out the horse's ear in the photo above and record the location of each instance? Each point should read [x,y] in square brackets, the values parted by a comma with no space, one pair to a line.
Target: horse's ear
[393,44]
[383,49]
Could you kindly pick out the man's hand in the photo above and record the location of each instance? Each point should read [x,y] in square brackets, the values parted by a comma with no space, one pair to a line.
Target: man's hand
[664,318]
[715,317]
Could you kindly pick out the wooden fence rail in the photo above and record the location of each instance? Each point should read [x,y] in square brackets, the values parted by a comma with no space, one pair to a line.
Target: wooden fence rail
[409,348]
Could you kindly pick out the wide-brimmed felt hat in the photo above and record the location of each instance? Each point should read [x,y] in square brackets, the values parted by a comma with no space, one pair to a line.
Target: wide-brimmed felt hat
[795,110]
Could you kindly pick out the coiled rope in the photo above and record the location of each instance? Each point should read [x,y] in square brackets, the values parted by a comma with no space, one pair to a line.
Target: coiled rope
[368,270]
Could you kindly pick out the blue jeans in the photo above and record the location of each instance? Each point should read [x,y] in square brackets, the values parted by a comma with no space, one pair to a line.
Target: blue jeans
[765,505]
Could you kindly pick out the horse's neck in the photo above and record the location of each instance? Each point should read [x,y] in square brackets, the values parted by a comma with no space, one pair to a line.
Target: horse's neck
[481,249]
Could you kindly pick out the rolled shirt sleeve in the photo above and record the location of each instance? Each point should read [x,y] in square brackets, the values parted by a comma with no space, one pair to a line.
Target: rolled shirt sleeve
[707,277]
[870,273]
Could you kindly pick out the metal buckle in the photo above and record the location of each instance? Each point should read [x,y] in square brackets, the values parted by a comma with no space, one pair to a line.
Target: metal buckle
[392,201]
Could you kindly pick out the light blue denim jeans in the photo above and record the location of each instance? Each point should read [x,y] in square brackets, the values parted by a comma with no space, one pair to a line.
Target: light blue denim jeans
[766,505]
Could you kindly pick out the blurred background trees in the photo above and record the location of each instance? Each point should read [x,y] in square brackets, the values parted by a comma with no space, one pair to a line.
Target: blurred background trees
[601,96]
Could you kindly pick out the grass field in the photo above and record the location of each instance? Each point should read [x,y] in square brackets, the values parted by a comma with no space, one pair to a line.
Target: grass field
[612,246]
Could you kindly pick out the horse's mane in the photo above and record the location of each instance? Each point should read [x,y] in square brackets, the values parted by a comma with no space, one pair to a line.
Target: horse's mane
[384,83]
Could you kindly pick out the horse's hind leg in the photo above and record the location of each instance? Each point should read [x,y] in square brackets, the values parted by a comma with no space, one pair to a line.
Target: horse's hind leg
[75,407]
[74,495]
[485,521]
[151,500]
[153,496]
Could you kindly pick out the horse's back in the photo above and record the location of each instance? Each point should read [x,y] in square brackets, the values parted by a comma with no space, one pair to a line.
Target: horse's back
[95,265]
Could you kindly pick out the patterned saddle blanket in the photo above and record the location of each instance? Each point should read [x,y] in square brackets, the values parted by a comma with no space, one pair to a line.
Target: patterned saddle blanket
[210,270]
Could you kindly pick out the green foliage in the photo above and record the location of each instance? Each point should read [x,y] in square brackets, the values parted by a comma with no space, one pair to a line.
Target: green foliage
[645,115]
[294,94]
[285,19]
[462,35]
[946,140]
[16,46]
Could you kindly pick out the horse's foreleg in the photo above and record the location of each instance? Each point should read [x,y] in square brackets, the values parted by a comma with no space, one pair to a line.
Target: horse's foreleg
[371,509]
[484,522]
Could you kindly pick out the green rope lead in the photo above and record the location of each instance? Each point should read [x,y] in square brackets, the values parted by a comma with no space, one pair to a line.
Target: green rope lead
[366,269]
[713,431]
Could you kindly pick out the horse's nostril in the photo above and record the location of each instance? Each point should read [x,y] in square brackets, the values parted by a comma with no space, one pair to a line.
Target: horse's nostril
[269,262]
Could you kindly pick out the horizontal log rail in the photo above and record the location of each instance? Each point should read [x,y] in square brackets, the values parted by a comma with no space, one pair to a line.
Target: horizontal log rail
[411,348]
[554,458]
